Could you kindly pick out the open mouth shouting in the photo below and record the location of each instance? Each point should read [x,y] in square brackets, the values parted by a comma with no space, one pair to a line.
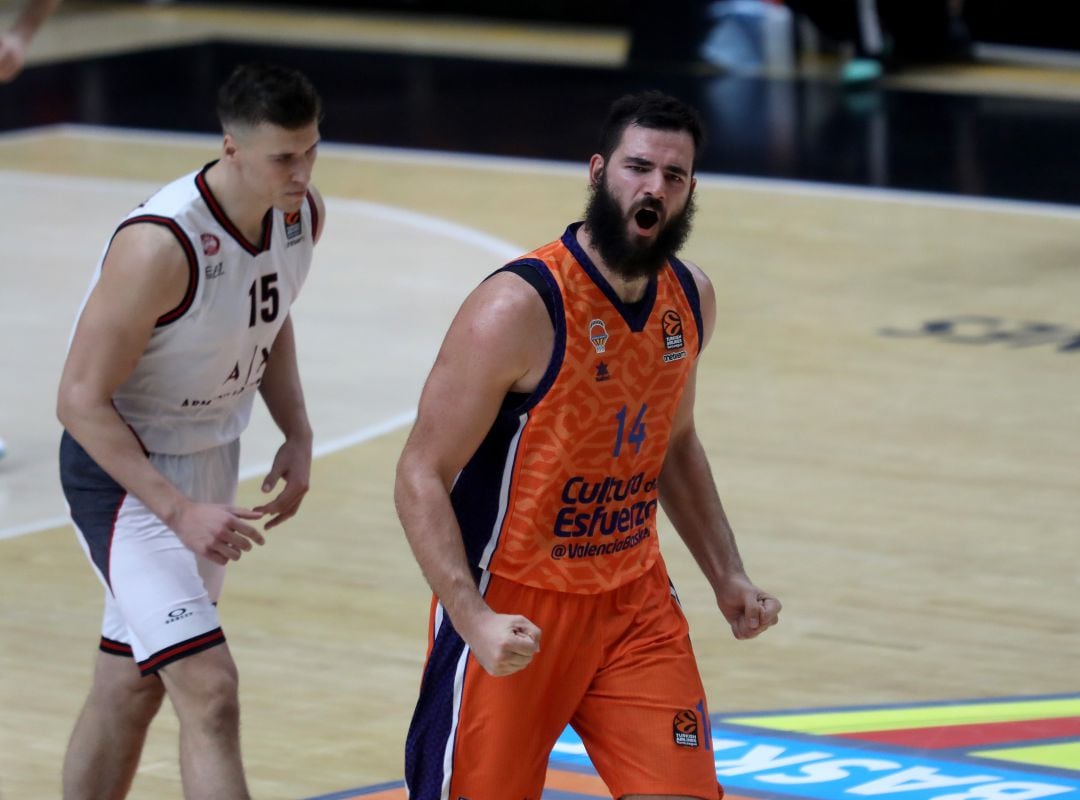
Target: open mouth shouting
[646,219]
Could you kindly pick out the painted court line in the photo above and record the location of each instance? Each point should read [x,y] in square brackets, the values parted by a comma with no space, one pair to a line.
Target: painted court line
[559,785]
[867,720]
[522,164]
[434,226]
[977,735]
[1064,755]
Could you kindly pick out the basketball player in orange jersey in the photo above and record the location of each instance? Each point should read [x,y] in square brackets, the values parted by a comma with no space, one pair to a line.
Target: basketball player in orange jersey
[187,319]
[559,413]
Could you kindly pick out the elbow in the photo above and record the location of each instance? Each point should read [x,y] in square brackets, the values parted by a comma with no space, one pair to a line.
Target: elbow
[405,485]
[65,408]
[417,483]
[75,402]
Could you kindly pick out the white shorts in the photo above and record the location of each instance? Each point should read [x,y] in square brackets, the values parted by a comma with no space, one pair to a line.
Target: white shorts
[160,598]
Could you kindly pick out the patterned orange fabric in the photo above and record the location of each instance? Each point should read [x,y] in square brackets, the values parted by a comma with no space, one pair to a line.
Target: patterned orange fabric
[580,505]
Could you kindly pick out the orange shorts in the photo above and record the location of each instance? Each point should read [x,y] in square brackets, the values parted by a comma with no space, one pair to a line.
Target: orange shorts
[617,666]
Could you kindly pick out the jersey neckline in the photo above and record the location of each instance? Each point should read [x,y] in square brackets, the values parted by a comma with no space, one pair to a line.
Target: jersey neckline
[227,224]
[634,314]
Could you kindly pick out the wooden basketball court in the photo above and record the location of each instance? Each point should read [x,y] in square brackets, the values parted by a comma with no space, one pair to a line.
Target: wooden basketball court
[889,403]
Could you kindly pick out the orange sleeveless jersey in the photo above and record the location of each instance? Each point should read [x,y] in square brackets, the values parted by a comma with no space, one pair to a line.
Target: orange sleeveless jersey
[562,494]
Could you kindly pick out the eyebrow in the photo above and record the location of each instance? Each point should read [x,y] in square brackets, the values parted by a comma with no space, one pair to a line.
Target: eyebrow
[289,153]
[644,162]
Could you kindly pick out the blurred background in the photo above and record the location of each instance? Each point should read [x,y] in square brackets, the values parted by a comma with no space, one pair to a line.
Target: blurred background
[968,97]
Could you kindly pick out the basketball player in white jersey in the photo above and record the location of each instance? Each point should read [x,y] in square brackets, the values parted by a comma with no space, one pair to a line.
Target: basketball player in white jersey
[186,319]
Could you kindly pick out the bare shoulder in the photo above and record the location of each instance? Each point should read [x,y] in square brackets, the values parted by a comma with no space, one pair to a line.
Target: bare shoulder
[708,300]
[142,243]
[145,275]
[505,323]
[499,342]
[146,262]
[505,298]
[702,281]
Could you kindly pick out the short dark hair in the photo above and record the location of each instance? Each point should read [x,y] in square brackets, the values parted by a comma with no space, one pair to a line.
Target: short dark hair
[654,110]
[257,93]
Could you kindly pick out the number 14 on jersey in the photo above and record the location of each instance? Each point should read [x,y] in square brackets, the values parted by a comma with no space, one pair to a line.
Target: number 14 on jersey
[635,436]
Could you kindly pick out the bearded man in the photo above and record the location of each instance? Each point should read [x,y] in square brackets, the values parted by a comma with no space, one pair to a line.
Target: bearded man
[558,414]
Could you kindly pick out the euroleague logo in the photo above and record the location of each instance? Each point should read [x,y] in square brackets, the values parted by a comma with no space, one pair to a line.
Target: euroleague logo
[293,225]
[684,729]
[671,325]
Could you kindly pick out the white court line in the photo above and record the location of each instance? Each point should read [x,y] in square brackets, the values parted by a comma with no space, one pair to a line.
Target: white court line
[325,448]
[433,225]
[451,230]
[37,526]
[340,443]
[534,165]
[501,248]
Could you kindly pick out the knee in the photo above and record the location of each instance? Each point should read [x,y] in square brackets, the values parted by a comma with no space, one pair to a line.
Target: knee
[220,704]
[126,692]
[143,699]
[210,700]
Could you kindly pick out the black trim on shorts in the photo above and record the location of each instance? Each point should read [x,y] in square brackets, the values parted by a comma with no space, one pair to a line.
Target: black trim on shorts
[188,647]
[115,648]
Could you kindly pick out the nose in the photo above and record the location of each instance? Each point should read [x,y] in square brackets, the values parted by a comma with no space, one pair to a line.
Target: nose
[302,171]
[654,185]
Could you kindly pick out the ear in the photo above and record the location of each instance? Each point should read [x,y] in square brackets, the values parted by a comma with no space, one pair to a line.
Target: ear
[229,147]
[596,169]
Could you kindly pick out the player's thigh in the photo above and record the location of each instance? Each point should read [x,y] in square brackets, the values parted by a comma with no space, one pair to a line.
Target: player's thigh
[118,685]
[507,725]
[203,684]
[159,589]
[644,720]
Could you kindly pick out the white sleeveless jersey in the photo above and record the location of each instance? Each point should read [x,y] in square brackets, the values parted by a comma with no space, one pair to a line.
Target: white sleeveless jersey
[194,386]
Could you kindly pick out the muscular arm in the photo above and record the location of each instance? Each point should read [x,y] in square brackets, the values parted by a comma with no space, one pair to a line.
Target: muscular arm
[14,42]
[284,397]
[689,497]
[500,341]
[280,386]
[145,274]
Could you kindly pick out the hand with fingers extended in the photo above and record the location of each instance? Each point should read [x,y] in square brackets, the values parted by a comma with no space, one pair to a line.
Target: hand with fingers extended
[749,610]
[293,464]
[504,643]
[218,533]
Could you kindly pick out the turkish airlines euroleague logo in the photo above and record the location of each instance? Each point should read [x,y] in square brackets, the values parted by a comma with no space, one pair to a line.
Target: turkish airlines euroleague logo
[293,225]
[685,729]
[672,326]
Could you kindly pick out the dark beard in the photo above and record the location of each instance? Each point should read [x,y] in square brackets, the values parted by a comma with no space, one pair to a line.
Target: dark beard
[607,232]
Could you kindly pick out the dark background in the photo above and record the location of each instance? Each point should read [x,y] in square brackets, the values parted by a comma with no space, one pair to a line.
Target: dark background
[1034,23]
[803,128]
